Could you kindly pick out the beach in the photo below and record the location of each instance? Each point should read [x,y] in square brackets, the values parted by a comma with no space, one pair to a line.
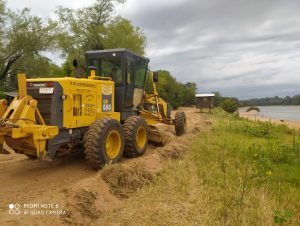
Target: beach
[252,115]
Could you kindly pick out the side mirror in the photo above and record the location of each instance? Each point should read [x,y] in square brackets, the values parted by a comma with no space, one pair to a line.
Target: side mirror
[155,76]
[75,63]
[77,69]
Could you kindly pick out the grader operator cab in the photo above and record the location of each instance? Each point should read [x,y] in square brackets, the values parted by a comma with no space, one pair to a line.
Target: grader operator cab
[106,114]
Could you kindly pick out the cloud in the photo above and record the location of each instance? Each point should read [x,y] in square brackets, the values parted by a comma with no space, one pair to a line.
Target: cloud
[241,48]
[45,7]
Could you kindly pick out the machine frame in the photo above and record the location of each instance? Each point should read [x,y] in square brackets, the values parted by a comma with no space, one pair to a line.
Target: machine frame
[53,116]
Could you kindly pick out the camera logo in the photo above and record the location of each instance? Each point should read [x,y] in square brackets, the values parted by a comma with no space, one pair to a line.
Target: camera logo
[14,209]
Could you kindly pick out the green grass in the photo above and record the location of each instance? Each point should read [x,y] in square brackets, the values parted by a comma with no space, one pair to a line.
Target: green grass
[239,173]
[269,156]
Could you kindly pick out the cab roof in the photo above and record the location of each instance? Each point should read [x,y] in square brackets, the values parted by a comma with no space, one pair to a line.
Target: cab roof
[106,52]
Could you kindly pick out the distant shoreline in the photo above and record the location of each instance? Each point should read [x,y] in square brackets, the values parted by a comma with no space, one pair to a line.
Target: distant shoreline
[252,115]
[271,105]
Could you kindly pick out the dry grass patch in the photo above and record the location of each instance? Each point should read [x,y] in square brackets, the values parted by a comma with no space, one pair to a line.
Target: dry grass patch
[172,199]
[126,180]
[220,181]
[81,208]
[174,150]
[85,202]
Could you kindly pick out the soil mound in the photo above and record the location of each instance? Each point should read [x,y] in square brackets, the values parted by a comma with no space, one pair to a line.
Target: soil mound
[124,180]
[175,150]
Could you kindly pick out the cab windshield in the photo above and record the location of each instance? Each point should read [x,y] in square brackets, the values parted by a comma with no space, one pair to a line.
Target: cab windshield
[109,68]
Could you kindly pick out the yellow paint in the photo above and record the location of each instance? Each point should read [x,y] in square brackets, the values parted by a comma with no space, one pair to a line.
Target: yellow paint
[141,137]
[113,115]
[22,85]
[25,128]
[3,107]
[161,106]
[23,120]
[83,100]
[150,118]
[93,74]
[113,144]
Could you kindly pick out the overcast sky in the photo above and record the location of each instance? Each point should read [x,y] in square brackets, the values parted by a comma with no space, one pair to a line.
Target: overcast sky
[241,48]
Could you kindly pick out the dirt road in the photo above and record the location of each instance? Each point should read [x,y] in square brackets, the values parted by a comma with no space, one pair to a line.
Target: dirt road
[67,191]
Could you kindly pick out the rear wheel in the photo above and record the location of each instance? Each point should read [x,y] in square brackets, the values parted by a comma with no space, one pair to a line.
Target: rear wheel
[136,136]
[103,143]
[180,123]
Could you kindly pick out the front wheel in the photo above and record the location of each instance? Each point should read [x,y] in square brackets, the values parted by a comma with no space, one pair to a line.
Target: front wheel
[103,143]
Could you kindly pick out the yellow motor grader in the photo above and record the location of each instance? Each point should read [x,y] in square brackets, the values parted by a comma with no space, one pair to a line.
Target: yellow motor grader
[106,114]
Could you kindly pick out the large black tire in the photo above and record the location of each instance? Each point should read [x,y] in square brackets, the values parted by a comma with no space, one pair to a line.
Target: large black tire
[135,126]
[100,134]
[180,123]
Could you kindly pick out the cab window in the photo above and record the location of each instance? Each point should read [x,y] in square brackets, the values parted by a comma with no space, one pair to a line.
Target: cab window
[140,73]
[109,68]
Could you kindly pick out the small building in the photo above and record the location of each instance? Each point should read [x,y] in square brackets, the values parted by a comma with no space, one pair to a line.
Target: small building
[205,101]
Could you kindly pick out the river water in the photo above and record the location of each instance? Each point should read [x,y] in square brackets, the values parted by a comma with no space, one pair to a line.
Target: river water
[279,112]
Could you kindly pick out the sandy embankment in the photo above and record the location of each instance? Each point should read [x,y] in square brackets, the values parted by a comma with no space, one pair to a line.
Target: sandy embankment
[253,115]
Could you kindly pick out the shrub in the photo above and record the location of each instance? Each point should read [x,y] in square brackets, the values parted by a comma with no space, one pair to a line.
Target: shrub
[2,95]
[229,105]
[283,153]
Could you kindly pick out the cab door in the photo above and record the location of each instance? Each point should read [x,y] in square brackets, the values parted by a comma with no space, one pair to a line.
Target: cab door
[129,82]
[141,67]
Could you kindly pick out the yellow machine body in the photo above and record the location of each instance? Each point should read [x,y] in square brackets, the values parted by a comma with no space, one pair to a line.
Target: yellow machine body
[158,111]
[155,110]
[156,116]
[84,100]
[22,125]
[3,107]
[51,116]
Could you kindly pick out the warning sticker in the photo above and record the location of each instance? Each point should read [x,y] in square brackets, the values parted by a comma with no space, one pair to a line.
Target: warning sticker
[106,89]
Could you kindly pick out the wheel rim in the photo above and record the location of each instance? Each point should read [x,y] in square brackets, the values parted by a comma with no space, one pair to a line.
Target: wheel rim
[141,137]
[113,144]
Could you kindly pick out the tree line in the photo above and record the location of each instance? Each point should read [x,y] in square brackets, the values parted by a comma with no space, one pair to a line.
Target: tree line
[26,39]
[233,104]
[294,100]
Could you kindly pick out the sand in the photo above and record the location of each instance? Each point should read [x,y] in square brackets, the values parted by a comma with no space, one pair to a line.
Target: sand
[252,115]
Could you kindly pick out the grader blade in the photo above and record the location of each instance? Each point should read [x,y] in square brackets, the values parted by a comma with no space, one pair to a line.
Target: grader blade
[159,133]
[155,135]
[22,127]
